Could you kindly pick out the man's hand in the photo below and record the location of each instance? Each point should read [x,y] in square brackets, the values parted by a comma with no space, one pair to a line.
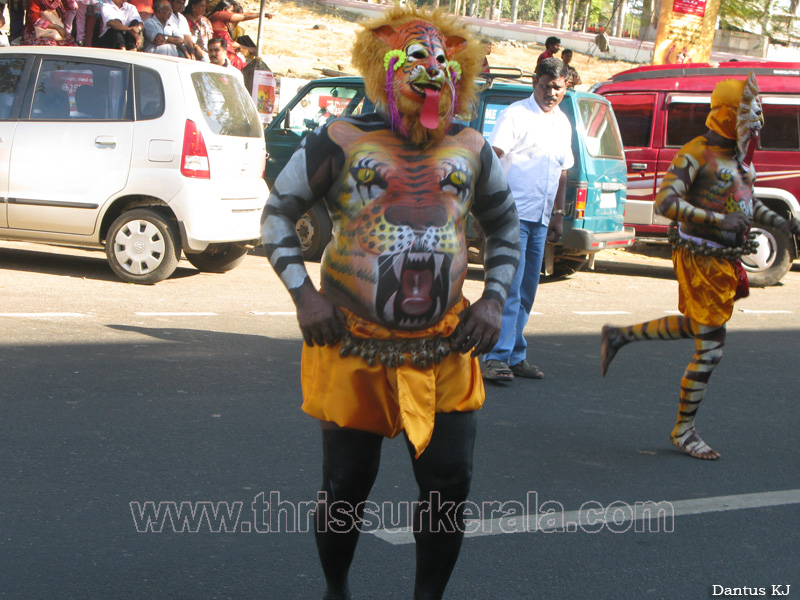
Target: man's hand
[736,221]
[321,322]
[481,327]
[791,226]
[555,229]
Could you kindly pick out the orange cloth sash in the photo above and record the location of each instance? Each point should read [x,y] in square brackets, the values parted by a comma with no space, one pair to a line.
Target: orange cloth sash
[388,400]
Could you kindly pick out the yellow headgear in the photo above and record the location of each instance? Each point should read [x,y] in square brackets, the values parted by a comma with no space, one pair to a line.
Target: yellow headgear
[725,100]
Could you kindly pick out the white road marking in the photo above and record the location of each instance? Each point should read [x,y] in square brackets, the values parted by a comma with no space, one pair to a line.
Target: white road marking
[570,521]
[175,314]
[600,312]
[40,315]
[765,312]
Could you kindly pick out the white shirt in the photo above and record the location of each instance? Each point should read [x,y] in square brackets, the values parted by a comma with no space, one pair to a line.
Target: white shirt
[152,27]
[126,13]
[182,25]
[537,147]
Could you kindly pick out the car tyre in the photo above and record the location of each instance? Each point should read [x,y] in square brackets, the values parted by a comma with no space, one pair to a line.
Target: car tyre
[142,246]
[218,258]
[314,231]
[772,260]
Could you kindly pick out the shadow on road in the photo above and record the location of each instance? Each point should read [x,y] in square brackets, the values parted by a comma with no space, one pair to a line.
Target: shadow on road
[79,263]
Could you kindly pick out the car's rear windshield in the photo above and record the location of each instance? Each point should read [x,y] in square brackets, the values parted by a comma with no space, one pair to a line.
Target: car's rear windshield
[602,134]
[227,108]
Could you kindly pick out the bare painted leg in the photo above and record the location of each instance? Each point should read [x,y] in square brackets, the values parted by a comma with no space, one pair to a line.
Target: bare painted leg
[709,342]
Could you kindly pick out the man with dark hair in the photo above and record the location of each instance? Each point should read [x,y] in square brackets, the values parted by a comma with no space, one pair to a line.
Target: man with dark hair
[533,139]
[218,53]
[574,77]
[551,47]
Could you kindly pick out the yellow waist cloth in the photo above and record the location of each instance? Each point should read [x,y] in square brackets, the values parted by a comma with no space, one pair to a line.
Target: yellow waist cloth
[706,287]
[388,400]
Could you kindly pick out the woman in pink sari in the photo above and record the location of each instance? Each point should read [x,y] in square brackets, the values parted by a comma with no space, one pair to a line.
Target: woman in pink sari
[45,23]
[200,27]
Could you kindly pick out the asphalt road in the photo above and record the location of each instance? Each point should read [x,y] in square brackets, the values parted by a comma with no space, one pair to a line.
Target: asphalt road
[115,396]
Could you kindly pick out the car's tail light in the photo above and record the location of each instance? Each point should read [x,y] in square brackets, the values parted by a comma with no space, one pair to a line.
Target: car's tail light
[580,202]
[194,159]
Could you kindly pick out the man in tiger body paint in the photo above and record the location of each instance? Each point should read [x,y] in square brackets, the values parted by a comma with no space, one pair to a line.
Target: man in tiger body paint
[708,191]
[377,359]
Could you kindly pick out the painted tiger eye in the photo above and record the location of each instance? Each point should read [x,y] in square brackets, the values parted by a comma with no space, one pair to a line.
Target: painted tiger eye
[366,175]
[458,178]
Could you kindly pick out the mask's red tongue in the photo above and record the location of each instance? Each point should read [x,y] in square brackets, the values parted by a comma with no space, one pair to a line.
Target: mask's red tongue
[429,117]
[416,286]
[751,150]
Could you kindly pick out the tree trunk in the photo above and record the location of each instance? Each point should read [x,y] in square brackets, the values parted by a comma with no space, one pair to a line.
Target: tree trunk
[765,28]
[514,10]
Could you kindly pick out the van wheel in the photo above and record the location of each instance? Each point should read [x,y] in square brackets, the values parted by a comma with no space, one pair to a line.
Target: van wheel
[771,260]
[142,246]
[217,258]
[314,231]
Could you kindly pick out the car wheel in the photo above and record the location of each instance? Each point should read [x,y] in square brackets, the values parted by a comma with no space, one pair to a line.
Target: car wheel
[142,246]
[314,231]
[771,260]
[217,258]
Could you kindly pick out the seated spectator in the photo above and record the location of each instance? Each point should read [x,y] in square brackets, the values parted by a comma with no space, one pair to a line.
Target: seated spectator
[161,34]
[200,27]
[223,20]
[218,53]
[44,23]
[177,19]
[122,26]
[573,78]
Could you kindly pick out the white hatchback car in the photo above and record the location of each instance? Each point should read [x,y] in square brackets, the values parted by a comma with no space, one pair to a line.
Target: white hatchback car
[146,155]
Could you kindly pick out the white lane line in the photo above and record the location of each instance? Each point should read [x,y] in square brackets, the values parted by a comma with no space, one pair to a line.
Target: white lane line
[600,312]
[41,315]
[765,312]
[593,518]
[175,314]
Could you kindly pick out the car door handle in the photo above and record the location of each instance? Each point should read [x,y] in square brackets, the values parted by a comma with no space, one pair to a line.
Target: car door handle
[638,166]
[105,141]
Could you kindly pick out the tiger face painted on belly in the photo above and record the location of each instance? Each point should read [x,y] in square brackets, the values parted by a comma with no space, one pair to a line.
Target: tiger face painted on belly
[398,253]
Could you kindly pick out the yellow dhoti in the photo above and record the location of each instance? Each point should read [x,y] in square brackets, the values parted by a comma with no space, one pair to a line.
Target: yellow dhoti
[387,400]
[706,287]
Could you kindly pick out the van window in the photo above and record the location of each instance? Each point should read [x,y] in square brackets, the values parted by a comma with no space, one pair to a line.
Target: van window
[494,106]
[76,90]
[227,108]
[634,114]
[324,103]
[685,121]
[781,127]
[149,94]
[11,69]
[602,135]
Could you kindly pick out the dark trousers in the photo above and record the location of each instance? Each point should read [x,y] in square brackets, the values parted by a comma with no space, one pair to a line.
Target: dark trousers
[16,13]
[116,40]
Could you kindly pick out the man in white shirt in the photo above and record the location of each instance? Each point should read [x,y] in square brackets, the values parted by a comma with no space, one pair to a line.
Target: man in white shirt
[122,26]
[180,22]
[533,139]
[161,35]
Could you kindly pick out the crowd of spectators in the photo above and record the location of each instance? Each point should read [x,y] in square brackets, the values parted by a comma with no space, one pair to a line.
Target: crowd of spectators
[169,27]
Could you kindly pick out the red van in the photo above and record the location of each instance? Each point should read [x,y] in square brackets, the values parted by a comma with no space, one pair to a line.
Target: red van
[660,108]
